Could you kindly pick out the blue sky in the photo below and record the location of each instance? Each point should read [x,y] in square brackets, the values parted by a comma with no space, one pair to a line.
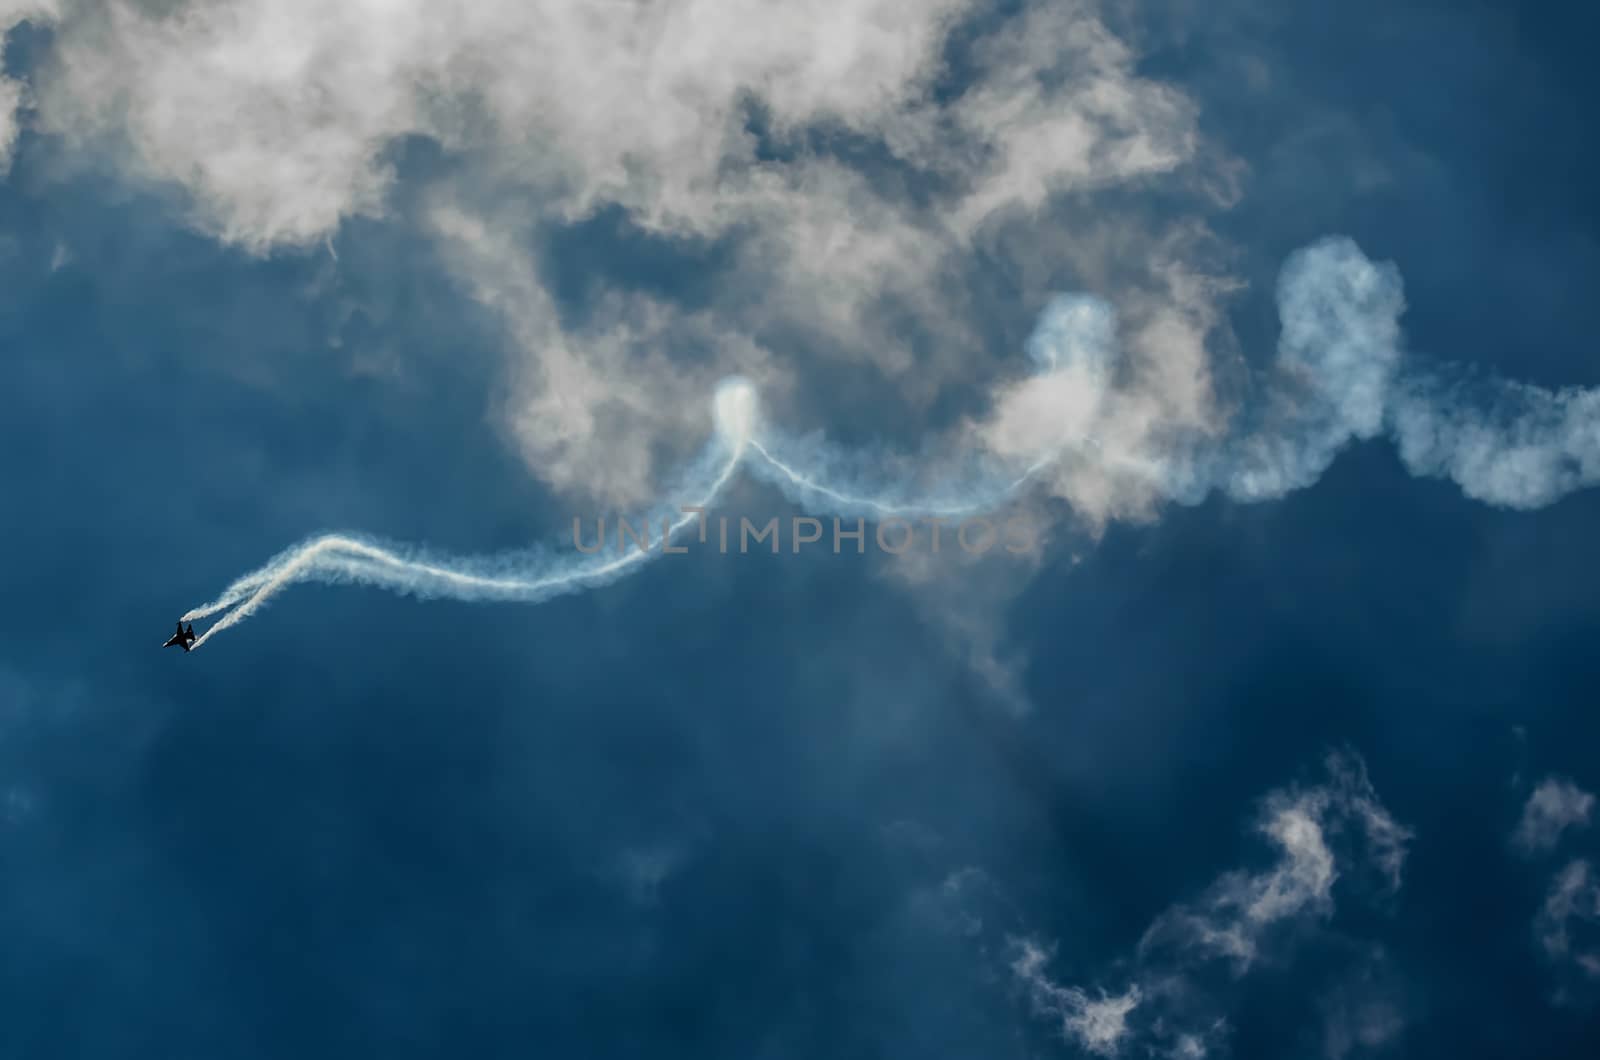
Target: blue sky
[1279,744]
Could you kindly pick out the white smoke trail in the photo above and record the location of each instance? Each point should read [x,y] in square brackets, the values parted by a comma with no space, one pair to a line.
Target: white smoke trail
[810,490]
[1343,376]
[1339,377]
[529,578]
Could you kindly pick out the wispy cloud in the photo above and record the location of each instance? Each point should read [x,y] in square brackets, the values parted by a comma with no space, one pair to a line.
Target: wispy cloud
[278,121]
[1555,806]
[1563,928]
[1574,895]
[1320,832]
[1572,903]
[14,94]
[1236,916]
[1099,1023]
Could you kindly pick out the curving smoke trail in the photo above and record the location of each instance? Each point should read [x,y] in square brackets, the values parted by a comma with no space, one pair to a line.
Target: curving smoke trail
[1339,377]
[529,577]
[984,488]
[1342,376]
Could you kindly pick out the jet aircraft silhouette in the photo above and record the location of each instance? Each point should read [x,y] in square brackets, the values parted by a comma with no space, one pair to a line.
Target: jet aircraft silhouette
[184,638]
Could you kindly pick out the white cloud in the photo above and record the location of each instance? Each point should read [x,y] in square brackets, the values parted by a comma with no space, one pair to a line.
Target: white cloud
[10,102]
[1097,1023]
[1556,805]
[278,118]
[1233,919]
[1060,107]
[1118,379]
[1574,896]
[588,406]
[13,93]
[1235,915]
[277,115]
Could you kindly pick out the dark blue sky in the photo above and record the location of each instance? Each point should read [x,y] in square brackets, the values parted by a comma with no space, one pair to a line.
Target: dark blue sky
[715,810]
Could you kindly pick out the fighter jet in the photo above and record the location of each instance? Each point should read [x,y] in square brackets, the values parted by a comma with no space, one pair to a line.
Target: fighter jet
[184,638]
